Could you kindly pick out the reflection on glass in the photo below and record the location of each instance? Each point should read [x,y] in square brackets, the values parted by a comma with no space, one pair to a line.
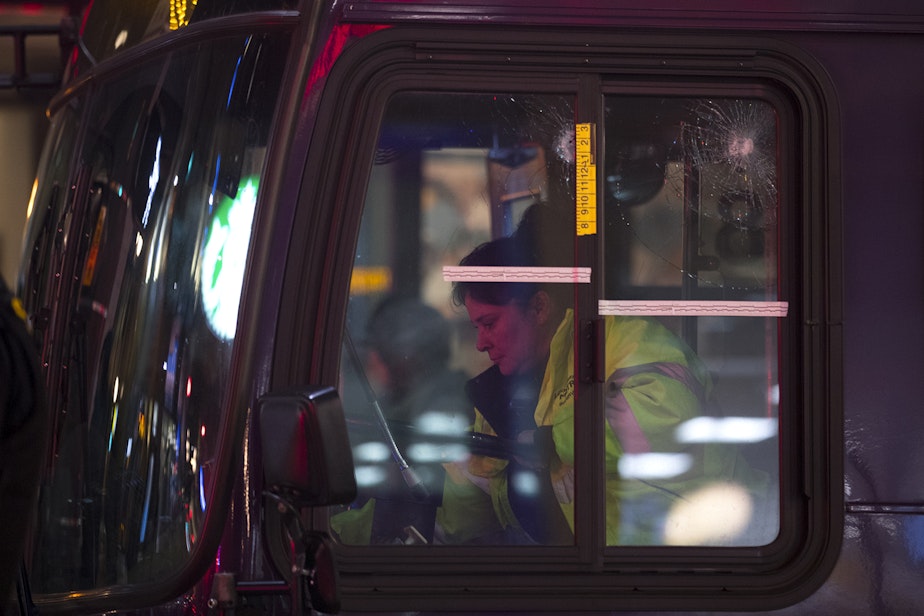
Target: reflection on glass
[146,330]
[223,261]
[112,26]
[452,172]
[47,210]
[691,208]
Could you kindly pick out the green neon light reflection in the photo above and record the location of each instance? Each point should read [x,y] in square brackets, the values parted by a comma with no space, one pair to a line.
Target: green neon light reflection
[224,258]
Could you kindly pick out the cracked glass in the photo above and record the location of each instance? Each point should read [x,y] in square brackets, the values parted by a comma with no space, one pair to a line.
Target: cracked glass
[691,238]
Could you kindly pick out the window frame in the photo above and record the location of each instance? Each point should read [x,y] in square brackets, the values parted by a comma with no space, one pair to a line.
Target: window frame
[589,575]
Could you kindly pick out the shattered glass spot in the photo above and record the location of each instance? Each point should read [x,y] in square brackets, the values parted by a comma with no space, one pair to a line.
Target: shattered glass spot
[692,195]
[564,145]
[733,142]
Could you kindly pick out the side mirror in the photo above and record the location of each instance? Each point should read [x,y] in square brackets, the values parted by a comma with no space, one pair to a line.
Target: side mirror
[307,458]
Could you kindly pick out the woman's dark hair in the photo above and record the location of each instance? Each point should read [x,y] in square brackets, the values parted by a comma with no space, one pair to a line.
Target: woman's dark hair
[543,238]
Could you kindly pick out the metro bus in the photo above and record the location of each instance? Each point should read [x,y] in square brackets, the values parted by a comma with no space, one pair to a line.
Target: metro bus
[239,264]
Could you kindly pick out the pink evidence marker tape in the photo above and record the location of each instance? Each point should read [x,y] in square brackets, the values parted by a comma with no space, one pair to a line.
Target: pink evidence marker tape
[581,275]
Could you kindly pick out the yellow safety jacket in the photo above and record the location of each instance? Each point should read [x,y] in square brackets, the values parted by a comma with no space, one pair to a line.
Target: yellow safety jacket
[654,384]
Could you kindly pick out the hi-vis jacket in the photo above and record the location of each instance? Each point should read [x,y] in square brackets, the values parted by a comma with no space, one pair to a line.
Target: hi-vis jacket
[654,384]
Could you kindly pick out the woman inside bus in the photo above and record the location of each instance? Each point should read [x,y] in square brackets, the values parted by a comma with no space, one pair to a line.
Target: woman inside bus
[525,495]
[654,383]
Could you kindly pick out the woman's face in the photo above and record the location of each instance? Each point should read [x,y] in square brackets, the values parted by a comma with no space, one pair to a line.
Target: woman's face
[510,334]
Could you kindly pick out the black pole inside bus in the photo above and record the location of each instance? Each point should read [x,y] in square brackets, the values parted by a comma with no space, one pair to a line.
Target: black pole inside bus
[413,481]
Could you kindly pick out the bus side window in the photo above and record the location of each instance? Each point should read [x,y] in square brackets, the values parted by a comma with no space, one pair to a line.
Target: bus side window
[690,241]
[473,219]
[452,171]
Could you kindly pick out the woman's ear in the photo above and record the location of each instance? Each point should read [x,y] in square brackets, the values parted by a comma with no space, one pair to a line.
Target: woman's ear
[540,306]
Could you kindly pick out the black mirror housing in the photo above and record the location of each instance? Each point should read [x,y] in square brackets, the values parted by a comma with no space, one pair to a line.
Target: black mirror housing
[307,458]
